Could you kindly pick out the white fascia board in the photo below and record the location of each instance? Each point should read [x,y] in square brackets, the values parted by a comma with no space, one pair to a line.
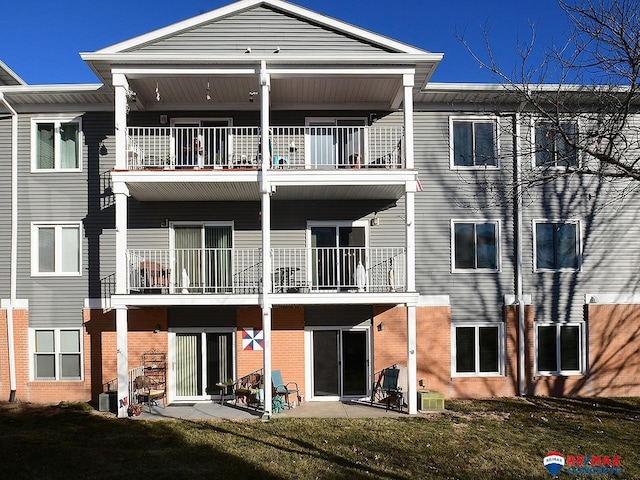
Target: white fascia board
[364,70]
[248,58]
[277,4]
[132,72]
[61,88]
[174,176]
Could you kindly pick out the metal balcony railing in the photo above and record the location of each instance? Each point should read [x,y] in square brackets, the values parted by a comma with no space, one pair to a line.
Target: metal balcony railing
[294,270]
[317,147]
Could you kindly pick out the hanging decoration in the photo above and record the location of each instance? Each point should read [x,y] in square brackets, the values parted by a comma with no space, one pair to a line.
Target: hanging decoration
[157,92]
[252,339]
[208,92]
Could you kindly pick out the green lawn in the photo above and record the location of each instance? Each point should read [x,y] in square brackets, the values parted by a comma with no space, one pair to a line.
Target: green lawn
[488,439]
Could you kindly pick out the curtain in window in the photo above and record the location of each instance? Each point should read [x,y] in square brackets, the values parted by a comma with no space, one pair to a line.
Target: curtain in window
[70,354]
[218,257]
[45,146]
[188,242]
[188,365]
[69,137]
[46,249]
[45,357]
[70,244]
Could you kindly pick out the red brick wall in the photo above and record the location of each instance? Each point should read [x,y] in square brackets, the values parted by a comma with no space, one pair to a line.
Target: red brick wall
[248,360]
[40,391]
[288,344]
[287,337]
[614,350]
[142,338]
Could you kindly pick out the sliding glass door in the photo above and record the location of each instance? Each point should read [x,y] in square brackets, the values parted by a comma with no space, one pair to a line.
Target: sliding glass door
[202,359]
[340,363]
[203,258]
[337,253]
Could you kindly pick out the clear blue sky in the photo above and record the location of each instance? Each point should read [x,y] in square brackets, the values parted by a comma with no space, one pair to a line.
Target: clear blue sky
[41,41]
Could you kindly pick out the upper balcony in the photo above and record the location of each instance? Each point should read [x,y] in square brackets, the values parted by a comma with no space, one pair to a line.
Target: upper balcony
[297,148]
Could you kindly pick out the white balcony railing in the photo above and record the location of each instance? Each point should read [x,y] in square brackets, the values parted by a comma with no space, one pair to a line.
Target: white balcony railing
[208,270]
[318,147]
[294,270]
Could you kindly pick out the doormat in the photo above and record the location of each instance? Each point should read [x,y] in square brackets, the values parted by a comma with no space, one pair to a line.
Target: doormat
[182,405]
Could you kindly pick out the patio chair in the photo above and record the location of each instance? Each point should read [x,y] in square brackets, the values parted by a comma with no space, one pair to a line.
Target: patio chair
[387,389]
[284,389]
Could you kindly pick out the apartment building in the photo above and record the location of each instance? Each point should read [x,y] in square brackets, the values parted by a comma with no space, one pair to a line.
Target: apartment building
[262,187]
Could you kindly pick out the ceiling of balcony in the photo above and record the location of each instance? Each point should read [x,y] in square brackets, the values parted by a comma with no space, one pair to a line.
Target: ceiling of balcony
[240,186]
[242,92]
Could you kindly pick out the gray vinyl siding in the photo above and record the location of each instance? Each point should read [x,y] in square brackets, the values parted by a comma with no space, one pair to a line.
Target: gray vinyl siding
[65,197]
[473,296]
[5,204]
[263,29]
[289,221]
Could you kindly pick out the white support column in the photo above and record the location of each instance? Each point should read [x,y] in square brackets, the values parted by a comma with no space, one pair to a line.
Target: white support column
[122,361]
[265,89]
[407,82]
[121,193]
[121,87]
[412,375]
[266,237]
[412,364]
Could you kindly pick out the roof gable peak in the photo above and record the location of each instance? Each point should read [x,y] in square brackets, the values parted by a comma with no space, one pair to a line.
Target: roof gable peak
[280,5]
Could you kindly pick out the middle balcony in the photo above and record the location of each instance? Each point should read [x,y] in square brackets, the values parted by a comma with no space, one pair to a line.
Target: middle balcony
[240,270]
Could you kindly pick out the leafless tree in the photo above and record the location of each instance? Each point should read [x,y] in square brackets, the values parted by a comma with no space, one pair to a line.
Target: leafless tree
[582,99]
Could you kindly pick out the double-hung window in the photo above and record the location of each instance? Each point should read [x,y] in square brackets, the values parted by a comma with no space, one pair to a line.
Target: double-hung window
[56,249]
[473,142]
[57,354]
[559,349]
[56,144]
[475,245]
[557,245]
[553,144]
[478,349]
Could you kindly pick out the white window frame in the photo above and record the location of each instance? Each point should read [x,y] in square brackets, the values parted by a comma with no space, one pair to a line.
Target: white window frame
[534,146]
[572,221]
[57,353]
[35,251]
[496,147]
[476,221]
[57,121]
[477,372]
[581,346]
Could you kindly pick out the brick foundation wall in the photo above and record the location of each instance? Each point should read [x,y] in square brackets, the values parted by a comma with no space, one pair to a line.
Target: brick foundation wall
[614,350]
[101,328]
[37,391]
[287,337]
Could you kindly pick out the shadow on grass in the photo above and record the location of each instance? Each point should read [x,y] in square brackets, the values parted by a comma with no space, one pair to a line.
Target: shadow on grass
[479,439]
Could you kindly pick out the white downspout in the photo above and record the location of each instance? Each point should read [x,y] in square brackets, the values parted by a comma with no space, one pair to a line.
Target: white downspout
[265,191]
[519,296]
[14,248]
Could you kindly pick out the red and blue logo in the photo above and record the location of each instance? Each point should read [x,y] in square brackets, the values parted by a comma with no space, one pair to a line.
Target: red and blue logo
[553,462]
